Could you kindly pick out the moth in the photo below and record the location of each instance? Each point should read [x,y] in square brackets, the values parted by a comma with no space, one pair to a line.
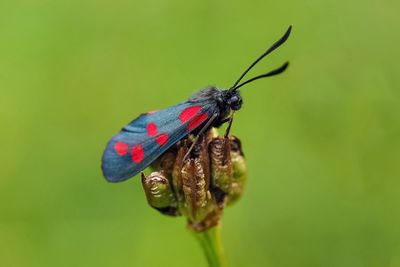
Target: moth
[148,136]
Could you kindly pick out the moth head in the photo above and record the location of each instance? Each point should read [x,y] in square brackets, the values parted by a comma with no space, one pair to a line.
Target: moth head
[234,99]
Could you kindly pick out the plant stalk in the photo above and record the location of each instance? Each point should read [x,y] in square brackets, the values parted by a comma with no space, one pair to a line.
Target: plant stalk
[210,242]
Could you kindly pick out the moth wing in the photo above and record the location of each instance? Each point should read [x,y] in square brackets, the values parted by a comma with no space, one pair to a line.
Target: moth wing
[147,137]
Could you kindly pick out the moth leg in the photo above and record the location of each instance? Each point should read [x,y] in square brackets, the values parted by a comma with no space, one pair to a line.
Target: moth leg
[223,121]
[228,129]
[205,127]
[230,120]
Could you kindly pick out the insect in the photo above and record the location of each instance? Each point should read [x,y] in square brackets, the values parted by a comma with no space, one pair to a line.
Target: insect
[147,137]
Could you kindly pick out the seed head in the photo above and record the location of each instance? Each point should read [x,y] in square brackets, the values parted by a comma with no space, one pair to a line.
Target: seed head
[200,184]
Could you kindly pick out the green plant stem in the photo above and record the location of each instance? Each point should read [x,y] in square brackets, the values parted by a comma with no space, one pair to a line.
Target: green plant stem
[210,242]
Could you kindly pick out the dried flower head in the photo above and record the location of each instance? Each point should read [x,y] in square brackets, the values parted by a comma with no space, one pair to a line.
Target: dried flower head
[200,184]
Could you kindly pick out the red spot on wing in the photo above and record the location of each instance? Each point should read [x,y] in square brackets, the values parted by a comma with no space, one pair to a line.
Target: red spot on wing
[162,139]
[199,119]
[151,129]
[121,148]
[137,153]
[189,113]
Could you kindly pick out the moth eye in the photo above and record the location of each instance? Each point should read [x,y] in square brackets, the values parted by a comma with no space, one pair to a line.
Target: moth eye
[235,102]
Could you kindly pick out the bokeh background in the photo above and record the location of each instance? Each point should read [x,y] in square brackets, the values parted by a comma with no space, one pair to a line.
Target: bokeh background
[322,140]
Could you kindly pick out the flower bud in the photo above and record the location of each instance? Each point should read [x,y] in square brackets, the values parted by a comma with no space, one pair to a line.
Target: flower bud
[221,165]
[239,175]
[159,193]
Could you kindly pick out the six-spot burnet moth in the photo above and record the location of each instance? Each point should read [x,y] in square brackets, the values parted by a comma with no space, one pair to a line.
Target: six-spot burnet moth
[147,137]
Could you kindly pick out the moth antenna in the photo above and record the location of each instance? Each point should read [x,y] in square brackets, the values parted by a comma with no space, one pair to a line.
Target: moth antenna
[271,73]
[272,48]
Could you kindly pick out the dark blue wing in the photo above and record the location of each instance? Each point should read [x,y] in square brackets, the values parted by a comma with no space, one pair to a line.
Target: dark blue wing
[144,139]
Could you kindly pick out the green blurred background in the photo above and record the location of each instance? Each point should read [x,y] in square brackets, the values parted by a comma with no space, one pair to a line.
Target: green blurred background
[322,140]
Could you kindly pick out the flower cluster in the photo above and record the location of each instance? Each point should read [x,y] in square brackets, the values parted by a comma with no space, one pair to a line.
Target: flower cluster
[200,184]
